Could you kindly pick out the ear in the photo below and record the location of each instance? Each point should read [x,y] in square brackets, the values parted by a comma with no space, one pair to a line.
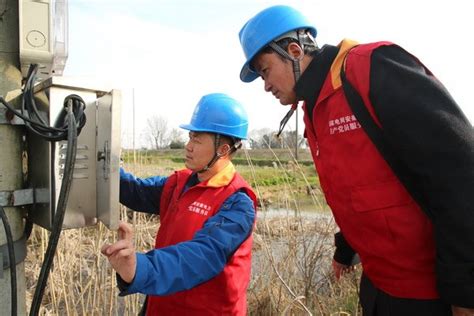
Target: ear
[295,51]
[223,150]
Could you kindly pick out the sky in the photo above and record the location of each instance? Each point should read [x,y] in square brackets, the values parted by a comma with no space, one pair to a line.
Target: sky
[164,55]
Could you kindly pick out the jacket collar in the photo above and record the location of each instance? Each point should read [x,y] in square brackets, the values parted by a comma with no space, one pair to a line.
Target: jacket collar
[326,62]
[311,81]
[222,178]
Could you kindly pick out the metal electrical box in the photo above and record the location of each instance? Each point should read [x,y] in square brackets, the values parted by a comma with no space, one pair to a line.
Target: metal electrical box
[94,193]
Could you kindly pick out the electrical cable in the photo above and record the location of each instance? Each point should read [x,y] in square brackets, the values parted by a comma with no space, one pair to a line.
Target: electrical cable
[12,260]
[59,214]
[67,126]
[35,123]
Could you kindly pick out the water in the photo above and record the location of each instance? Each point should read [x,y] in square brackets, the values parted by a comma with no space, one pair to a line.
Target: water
[276,212]
[298,244]
[302,204]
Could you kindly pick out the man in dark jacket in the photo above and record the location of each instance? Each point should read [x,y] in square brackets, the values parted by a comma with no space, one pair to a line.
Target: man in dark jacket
[399,180]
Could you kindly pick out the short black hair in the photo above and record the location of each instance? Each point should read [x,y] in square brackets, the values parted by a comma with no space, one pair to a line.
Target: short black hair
[231,141]
[309,46]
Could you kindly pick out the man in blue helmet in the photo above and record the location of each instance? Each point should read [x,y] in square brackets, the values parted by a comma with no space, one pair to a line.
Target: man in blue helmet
[202,257]
[395,158]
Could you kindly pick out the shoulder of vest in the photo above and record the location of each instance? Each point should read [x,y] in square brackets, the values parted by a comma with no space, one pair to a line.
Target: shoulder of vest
[351,48]
[177,178]
[369,47]
[239,183]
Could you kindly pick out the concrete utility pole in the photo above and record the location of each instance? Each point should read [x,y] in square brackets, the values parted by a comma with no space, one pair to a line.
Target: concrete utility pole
[11,178]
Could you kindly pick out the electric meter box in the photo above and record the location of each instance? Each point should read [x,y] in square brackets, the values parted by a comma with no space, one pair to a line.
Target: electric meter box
[43,36]
[94,193]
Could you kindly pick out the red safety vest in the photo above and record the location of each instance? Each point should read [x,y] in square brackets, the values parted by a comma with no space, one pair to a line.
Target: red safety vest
[375,213]
[181,215]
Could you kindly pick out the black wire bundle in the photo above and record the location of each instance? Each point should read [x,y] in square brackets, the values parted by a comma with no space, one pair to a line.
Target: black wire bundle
[67,126]
[58,215]
[33,119]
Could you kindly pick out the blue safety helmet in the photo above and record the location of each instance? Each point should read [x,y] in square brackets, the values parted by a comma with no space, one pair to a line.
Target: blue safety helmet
[265,27]
[221,114]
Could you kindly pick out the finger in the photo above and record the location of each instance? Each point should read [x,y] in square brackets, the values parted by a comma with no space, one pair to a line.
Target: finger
[124,253]
[347,270]
[104,248]
[336,268]
[125,231]
[119,245]
[121,258]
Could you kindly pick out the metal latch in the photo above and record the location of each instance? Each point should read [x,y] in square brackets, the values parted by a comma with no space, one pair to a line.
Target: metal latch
[105,156]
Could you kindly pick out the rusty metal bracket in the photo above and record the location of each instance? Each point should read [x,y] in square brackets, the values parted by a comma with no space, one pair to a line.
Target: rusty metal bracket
[13,199]
[23,197]
[4,119]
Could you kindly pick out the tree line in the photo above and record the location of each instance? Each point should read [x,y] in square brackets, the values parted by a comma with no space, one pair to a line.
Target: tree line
[159,135]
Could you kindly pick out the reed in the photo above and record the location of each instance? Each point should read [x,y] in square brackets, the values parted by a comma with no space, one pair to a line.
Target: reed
[291,255]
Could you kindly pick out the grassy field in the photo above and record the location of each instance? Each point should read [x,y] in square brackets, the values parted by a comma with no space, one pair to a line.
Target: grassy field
[269,172]
[291,254]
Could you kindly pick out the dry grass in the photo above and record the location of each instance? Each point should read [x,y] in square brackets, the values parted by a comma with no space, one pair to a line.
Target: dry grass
[291,263]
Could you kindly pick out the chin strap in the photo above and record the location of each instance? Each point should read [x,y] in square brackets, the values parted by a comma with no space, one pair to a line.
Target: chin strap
[296,73]
[217,138]
[295,61]
[286,118]
[237,145]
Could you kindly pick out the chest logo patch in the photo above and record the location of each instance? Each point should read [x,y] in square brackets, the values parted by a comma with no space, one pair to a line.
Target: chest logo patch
[343,124]
[199,208]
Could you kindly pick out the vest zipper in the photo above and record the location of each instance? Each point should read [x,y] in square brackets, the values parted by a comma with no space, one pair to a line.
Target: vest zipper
[316,142]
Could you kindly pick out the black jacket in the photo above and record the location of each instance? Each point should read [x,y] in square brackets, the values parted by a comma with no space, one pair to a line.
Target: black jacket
[435,140]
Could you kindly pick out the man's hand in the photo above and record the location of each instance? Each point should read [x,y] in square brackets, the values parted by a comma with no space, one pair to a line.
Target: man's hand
[340,269]
[461,311]
[121,255]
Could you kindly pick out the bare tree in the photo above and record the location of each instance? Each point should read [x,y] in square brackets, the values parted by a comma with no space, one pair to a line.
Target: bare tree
[176,139]
[289,139]
[157,131]
[258,138]
[265,138]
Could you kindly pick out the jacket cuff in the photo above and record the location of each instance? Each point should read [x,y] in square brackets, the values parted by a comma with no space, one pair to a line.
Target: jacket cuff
[122,285]
[344,252]
[456,283]
[140,278]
